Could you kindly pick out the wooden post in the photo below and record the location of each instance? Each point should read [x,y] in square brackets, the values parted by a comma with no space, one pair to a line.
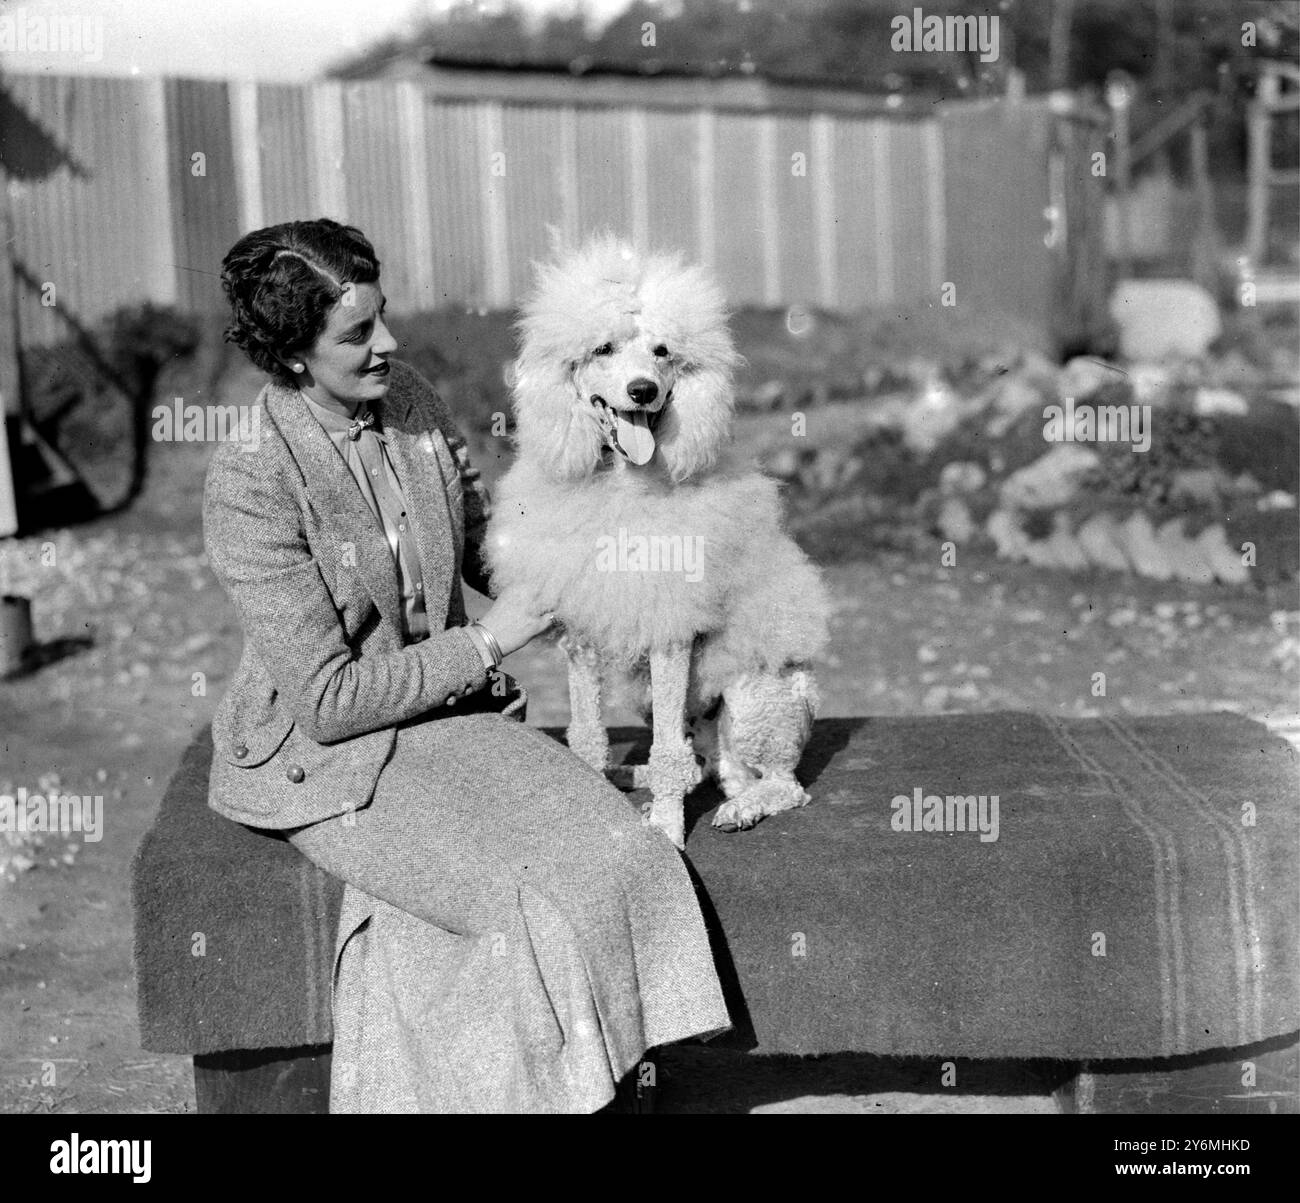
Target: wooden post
[1123,186]
[10,374]
[1258,166]
[1205,248]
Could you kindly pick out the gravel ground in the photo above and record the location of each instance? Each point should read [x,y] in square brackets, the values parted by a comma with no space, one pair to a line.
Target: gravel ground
[128,614]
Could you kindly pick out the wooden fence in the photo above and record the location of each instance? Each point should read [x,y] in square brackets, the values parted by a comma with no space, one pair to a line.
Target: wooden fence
[126,189]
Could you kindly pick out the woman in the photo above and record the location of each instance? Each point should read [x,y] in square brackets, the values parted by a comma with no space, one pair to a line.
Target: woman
[527,939]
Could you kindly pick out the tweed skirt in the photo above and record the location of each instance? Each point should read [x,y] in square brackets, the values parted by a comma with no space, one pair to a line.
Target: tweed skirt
[513,939]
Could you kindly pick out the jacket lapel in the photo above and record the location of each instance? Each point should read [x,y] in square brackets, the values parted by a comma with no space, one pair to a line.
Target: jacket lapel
[334,493]
[418,457]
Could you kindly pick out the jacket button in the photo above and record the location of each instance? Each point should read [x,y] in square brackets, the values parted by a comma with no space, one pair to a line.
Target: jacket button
[451,699]
[295,774]
[240,751]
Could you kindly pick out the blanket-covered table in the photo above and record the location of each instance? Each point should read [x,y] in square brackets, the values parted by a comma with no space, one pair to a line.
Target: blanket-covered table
[992,886]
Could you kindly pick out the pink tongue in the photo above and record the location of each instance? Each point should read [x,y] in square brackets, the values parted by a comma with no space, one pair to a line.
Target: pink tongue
[634,435]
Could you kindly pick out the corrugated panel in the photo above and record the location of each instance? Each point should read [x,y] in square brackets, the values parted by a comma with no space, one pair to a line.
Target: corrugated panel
[602,173]
[672,180]
[996,189]
[81,217]
[859,227]
[104,238]
[909,233]
[533,187]
[458,167]
[376,196]
[740,229]
[286,170]
[796,210]
[206,209]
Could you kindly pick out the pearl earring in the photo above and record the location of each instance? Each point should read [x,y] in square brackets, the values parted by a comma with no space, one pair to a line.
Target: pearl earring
[297,367]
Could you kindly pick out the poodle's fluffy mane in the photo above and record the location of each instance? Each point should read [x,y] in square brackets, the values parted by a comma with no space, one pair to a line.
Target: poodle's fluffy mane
[576,304]
[756,598]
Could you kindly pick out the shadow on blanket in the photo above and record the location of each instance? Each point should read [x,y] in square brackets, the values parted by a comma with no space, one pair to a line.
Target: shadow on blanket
[1130,895]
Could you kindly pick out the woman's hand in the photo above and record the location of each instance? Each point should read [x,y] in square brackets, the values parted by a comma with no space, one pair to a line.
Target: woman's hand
[515,621]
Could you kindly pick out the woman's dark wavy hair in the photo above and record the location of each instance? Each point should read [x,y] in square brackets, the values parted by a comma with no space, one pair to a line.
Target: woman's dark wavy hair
[282,281]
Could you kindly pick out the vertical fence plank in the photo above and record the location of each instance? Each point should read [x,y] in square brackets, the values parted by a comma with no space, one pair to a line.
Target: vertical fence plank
[567,169]
[769,221]
[157,200]
[822,182]
[325,118]
[415,178]
[491,142]
[706,207]
[881,188]
[638,176]
[207,220]
[936,232]
[248,153]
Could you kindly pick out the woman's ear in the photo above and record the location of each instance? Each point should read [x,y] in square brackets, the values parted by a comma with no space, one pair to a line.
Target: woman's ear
[554,428]
[697,421]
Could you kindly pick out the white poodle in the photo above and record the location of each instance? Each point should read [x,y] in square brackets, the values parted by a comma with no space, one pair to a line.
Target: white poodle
[628,515]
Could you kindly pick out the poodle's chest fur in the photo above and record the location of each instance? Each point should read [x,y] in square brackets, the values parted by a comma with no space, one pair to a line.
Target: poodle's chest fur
[628,560]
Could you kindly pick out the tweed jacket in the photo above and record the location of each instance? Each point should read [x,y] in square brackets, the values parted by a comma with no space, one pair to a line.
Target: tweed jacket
[310,717]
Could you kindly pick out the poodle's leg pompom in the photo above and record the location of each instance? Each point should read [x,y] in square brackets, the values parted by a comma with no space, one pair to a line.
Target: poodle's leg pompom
[586,733]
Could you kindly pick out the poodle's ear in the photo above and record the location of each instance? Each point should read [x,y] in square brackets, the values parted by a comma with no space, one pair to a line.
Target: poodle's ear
[554,429]
[698,421]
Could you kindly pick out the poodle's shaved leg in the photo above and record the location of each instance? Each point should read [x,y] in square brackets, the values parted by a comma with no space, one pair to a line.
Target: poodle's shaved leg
[673,770]
[586,733]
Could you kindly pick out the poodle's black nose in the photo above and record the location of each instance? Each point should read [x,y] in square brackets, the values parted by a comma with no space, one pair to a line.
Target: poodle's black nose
[643,391]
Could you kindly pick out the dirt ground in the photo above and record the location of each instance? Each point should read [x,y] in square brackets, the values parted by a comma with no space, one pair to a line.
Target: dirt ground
[129,613]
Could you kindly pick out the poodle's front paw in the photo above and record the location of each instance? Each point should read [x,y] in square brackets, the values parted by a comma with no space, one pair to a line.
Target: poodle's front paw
[737,815]
[767,797]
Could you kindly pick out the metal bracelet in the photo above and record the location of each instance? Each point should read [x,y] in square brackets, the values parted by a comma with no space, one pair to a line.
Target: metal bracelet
[493,647]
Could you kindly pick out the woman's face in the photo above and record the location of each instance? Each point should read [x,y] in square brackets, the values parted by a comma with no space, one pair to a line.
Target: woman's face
[347,365]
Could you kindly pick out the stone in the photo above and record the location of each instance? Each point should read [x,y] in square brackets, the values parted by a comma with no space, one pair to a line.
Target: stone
[1211,402]
[1184,556]
[1082,377]
[1065,547]
[1005,531]
[1150,383]
[1102,542]
[1051,481]
[1224,559]
[1012,397]
[955,522]
[1201,485]
[961,476]
[934,414]
[1144,551]
[1159,318]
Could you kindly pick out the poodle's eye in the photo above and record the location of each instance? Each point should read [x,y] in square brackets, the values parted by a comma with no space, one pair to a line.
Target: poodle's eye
[604,349]
[661,351]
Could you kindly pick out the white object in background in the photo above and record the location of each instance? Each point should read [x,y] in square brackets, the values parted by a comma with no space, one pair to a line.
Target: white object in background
[1164,317]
